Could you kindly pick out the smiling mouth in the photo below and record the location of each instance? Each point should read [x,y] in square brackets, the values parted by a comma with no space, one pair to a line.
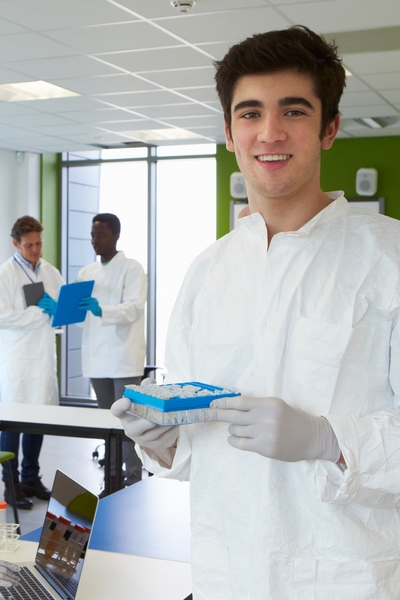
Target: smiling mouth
[273,157]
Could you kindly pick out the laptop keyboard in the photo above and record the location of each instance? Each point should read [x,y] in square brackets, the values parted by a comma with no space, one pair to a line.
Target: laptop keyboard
[67,584]
[29,588]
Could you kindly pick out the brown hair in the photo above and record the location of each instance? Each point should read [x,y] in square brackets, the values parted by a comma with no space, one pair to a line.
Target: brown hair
[297,48]
[25,225]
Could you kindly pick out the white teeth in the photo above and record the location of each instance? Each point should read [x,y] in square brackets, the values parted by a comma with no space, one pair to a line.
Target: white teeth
[273,157]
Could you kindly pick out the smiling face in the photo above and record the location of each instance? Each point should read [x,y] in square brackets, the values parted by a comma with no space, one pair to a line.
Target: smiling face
[276,136]
[30,247]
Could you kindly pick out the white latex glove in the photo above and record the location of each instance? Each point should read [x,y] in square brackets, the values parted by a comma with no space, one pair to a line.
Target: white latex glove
[148,381]
[144,432]
[272,428]
[8,574]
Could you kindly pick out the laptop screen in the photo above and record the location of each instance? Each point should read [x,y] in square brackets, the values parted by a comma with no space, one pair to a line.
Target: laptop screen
[65,534]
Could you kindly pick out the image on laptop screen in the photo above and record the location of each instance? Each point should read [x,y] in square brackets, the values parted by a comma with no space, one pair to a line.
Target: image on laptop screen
[65,534]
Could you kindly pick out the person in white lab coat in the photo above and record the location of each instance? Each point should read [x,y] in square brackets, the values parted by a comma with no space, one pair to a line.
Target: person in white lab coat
[27,350]
[295,484]
[113,342]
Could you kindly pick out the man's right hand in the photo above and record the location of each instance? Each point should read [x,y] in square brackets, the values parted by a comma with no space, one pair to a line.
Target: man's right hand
[143,432]
[47,304]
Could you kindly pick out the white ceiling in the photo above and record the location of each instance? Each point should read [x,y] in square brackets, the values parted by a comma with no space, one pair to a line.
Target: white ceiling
[140,64]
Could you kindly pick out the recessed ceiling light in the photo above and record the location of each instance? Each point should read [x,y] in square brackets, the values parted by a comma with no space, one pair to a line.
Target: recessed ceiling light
[370,122]
[32,90]
[153,135]
[348,74]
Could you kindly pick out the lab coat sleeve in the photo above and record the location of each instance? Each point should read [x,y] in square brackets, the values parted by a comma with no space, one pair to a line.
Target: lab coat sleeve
[180,468]
[131,307]
[15,318]
[371,448]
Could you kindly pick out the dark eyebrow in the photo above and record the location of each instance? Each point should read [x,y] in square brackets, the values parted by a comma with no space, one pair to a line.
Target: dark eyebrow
[247,104]
[290,100]
[287,101]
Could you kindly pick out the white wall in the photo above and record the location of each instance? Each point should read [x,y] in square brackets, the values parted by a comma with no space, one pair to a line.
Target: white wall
[19,194]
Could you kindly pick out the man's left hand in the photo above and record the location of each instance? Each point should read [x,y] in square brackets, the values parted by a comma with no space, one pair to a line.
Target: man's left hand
[91,304]
[272,428]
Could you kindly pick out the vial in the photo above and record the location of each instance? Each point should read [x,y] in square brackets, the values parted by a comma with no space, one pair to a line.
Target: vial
[3,521]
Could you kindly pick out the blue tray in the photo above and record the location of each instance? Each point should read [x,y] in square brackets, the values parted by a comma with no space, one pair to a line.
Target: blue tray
[176,403]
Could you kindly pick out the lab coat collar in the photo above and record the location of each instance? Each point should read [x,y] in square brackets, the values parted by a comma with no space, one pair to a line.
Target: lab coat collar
[337,207]
[116,258]
[27,264]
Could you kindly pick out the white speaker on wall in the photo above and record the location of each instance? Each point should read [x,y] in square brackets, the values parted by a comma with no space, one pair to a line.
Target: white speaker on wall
[238,186]
[366,182]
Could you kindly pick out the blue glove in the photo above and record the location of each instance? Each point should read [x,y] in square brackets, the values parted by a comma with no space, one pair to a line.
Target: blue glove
[91,304]
[47,304]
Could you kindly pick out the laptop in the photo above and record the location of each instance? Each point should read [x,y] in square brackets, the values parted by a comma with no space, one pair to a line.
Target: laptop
[60,557]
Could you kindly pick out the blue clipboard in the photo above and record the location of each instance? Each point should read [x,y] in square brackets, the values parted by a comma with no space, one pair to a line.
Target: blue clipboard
[67,307]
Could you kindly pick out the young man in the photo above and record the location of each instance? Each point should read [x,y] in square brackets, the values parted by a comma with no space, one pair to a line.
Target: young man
[27,350]
[113,344]
[295,485]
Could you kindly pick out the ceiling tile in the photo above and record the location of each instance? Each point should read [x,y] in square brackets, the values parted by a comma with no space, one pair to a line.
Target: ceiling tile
[384,81]
[178,78]
[361,99]
[146,98]
[226,26]
[105,84]
[143,61]
[71,66]
[373,62]
[176,110]
[30,46]
[162,8]
[358,112]
[114,38]
[41,15]
[343,15]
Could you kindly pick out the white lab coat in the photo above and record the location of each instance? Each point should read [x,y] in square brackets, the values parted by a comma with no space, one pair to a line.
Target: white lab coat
[27,339]
[113,345]
[315,321]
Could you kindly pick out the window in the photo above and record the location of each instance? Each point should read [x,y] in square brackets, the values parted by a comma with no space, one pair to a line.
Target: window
[167,208]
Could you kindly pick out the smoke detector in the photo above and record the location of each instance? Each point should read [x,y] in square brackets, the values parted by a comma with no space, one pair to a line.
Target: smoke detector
[183,5]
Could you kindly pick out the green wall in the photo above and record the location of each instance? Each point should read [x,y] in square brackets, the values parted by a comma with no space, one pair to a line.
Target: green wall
[50,208]
[226,164]
[341,162]
[338,172]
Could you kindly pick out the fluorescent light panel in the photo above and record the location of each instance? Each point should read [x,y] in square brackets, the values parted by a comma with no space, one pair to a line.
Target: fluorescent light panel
[154,135]
[32,90]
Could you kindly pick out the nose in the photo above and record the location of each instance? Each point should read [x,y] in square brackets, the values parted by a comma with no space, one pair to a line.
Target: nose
[271,129]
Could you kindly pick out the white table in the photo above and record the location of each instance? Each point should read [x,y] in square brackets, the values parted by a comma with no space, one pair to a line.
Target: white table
[108,575]
[73,421]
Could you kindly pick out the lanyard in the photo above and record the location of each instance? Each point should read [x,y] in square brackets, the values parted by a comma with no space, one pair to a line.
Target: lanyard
[26,273]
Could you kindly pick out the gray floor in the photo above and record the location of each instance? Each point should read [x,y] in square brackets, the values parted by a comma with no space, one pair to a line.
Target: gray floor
[74,457]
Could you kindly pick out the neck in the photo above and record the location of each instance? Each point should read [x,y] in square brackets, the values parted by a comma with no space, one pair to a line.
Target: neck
[285,214]
[32,263]
[107,257]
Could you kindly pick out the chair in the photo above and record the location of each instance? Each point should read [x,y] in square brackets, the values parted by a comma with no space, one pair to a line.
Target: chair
[5,458]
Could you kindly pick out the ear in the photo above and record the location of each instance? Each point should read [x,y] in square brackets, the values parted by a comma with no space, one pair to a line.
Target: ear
[330,133]
[16,244]
[229,142]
